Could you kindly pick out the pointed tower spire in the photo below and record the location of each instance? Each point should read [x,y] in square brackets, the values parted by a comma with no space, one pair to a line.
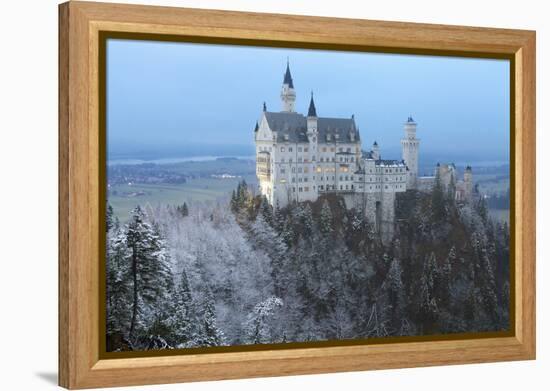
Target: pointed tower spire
[256,127]
[288,76]
[288,94]
[311,112]
[265,107]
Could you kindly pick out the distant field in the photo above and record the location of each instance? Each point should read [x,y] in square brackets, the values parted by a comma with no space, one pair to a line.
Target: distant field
[123,198]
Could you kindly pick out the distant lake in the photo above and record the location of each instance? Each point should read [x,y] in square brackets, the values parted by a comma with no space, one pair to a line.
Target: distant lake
[114,162]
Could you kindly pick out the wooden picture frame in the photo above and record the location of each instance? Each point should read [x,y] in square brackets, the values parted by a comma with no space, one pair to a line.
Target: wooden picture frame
[81,364]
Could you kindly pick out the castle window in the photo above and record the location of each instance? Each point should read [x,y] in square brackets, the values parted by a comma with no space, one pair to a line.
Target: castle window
[318,169]
[305,179]
[347,178]
[332,149]
[293,180]
[290,160]
[340,149]
[352,159]
[300,189]
[289,149]
[282,160]
[299,160]
[305,149]
[321,187]
[341,187]
[300,170]
[313,158]
[300,179]
[299,149]
[324,149]
[282,149]
[282,170]
[305,160]
[306,188]
[352,177]
[333,158]
[349,149]
[306,169]
[347,187]
[293,169]
[293,189]
[322,160]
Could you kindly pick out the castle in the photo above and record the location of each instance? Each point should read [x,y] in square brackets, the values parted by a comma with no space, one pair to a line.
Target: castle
[300,157]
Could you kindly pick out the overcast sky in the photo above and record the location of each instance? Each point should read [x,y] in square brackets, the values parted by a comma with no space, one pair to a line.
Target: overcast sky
[179,96]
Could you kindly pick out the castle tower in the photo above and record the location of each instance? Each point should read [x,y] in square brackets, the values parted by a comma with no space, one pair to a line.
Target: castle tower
[288,94]
[468,183]
[312,136]
[375,151]
[409,147]
[311,118]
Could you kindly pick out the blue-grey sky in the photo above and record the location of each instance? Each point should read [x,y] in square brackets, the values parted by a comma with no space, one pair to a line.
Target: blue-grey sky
[205,99]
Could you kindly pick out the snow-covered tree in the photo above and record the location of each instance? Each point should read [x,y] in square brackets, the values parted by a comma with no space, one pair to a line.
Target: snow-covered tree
[183,320]
[150,270]
[260,323]
[211,334]
[428,305]
[325,223]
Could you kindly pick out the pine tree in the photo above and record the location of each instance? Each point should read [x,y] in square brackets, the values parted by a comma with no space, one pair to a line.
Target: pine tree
[481,208]
[266,211]
[183,210]
[428,304]
[287,233]
[234,204]
[488,289]
[278,219]
[325,218]
[394,284]
[182,320]
[150,271]
[307,220]
[211,334]
[118,284]
[444,280]
[109,218]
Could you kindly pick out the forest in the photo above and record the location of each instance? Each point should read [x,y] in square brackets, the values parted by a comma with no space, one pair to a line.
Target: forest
[241,272]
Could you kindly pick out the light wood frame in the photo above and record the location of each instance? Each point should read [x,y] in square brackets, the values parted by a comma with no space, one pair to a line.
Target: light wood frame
[80,23]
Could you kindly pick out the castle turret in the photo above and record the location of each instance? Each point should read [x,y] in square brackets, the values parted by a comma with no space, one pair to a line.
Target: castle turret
[288,94]
[410,145]
[312,136]
[375,151]
[311,117]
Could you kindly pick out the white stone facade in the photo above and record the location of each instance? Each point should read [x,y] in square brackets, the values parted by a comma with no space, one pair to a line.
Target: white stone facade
[299,157]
